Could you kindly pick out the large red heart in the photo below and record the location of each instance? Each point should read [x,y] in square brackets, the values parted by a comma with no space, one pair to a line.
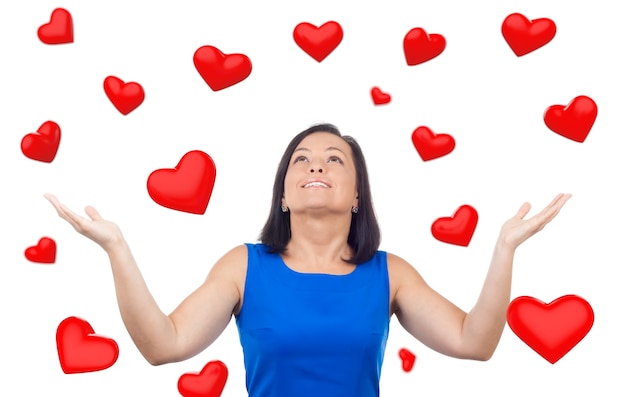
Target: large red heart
[187,187]
[318,42]
[573,121]
[44,252]
[408,359]
[551,329]
[420,47]
[524,36]
[43,144]
[220,70]
[209,382]
[59,30]
[81,350]
[379,97]
[431,146]
[126,97]
[457,229]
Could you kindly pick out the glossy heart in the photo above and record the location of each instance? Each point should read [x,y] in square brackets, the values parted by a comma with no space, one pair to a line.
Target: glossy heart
[44,252]
[209,382]
[430,145]
[379,97]
[81,350]
[524,36]
[408,359]
[457,229]
[573,121]
[551,329]
[59,30]
[420,46]
[126,97]
[220,70]
[318,42]
[188,186]
[44,144]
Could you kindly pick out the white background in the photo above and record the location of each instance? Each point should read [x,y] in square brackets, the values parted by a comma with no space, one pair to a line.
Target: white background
[477,90]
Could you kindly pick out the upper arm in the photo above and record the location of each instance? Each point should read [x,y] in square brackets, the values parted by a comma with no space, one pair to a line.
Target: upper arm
[206,312]
[424,313]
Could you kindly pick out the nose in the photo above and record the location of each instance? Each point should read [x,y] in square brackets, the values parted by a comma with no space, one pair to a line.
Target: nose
[316,165]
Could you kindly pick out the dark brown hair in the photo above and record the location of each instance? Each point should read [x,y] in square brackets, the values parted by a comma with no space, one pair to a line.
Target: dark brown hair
[364,235]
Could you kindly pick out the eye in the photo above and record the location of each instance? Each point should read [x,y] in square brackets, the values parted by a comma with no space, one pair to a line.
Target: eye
[300,158]
[336,159]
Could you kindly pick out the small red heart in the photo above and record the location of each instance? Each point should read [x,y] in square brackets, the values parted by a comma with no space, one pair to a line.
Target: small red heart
[524,36]
[187,187]
[81,350]
[318,42]
[379,97]
[420,47]
[431,146]
[573,121]
[208,383]
[42,145]
[552,329]
[59,30]
[457,229]
[221,71]
[408,359]
[126,97]
[44,252]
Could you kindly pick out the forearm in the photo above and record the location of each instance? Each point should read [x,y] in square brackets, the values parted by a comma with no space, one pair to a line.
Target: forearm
[150,329]
[483,326]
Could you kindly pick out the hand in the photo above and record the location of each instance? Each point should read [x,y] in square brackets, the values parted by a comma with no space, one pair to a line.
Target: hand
[101,231]
[517,230]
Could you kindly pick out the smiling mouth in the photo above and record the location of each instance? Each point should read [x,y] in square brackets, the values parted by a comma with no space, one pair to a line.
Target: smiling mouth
[316,184]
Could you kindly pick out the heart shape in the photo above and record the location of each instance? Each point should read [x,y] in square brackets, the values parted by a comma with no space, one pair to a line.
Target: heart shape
[59,30]
[420,47]
[430,145]
[208,383]
[408,359]
[457,229]
[220,70]
[126,97]
[187,187]
[81,350]
[524,36]
[318,42]
[379,97]
[44,144]
[573,121]
[44,252]
[552,329]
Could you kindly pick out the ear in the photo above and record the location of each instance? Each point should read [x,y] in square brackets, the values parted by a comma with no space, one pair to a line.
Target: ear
[356,201]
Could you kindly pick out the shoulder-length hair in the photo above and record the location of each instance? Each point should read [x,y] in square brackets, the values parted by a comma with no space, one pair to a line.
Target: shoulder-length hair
[364,235]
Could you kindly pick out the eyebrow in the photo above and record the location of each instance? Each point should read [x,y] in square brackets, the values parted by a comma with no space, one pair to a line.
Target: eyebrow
[327,149]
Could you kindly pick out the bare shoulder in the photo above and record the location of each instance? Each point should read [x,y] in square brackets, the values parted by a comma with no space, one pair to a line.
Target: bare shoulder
[401,273]
[231,270]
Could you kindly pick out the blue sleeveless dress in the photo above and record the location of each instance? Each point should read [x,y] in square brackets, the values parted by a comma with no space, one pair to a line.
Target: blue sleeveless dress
[306,335]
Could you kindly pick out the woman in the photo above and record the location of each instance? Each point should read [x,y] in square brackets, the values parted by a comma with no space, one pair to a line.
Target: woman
[313,301]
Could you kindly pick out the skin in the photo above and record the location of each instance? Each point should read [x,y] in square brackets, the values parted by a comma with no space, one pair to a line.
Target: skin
[320,221]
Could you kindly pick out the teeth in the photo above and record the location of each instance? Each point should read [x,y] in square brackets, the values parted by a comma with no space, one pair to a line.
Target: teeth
[315,184]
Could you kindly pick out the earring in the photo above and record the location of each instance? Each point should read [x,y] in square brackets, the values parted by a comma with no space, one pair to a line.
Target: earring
[355,210]
[283,208]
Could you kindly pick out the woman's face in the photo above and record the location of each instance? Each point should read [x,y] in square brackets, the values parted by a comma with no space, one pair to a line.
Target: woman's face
[321,176]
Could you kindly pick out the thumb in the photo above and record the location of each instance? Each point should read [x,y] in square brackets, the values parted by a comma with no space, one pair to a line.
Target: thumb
[523,211]
[93,214]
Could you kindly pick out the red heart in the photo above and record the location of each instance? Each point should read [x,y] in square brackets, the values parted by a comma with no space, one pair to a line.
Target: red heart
[408,359]
[379,97]
[219,70]
[573,121]
[458,229]
[420,47]
[186,188]
[59,30]
[551,329]
[80,350]
[43,144]
[524,36]
[318,42]
[431,146]
[126,97]
[208,383]
[44,252]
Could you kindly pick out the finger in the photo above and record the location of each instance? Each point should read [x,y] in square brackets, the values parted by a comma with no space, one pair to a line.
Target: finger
[523,211]
[551,211]
[93,214]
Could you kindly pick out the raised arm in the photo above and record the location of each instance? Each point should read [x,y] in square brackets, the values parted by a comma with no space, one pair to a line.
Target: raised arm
[444,327]
[193,325]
